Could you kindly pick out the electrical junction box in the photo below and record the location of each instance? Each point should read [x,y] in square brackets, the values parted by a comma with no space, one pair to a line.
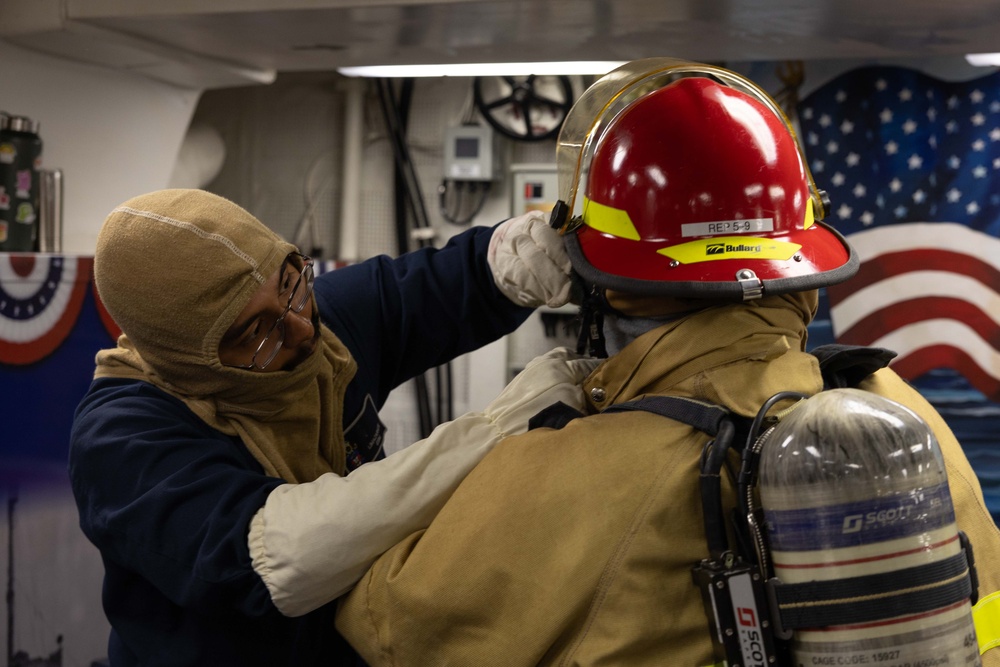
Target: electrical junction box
[470,153]
[535,187]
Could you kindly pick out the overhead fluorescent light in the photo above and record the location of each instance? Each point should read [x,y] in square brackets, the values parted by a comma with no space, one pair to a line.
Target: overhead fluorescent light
[483,69]
[983,59]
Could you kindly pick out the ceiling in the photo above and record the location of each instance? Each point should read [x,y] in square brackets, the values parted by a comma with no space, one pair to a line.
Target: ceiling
[212,43]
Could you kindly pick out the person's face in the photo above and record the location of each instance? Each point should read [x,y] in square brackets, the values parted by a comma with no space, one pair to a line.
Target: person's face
[278,328]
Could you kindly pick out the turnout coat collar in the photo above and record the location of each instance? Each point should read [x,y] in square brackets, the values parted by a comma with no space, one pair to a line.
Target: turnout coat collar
[733,355]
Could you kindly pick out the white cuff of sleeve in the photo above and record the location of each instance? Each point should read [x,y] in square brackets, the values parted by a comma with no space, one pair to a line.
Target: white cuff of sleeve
[311,543]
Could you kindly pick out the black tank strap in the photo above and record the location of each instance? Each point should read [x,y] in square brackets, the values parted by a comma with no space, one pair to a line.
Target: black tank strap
[705,417]
[555,416]
[872,597]
[841,366]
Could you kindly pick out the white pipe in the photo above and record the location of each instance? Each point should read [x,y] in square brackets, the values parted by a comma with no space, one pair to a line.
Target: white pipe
[350,192]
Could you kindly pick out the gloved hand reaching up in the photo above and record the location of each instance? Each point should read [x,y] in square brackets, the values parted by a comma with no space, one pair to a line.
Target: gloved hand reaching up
[529,263]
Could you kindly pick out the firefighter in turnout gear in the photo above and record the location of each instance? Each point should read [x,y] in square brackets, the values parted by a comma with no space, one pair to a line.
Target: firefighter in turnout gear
[697,233]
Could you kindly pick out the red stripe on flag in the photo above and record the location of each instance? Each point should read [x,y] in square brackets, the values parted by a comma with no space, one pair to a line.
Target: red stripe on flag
[884,320]
[919,259]
[881,306]
[925,359]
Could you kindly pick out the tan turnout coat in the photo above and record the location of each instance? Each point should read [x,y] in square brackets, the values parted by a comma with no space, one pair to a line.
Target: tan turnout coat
[575,547]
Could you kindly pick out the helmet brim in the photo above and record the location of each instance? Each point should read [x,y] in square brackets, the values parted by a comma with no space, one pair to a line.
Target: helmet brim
[610,262]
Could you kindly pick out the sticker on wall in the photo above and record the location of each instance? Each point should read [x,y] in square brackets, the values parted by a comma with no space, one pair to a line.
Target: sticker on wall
[40,299]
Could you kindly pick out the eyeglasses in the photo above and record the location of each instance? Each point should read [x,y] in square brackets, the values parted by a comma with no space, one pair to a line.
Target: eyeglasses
[298,297]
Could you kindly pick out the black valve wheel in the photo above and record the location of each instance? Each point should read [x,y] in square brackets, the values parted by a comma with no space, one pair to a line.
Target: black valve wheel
[525,108]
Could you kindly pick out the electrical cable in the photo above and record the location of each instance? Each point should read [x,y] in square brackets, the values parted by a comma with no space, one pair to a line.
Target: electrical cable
[448,186]
[401,152]
[307,226]
[395,115]
[459,203]
[409,199]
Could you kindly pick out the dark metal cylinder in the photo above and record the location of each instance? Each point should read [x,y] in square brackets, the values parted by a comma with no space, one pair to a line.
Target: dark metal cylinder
[20,160]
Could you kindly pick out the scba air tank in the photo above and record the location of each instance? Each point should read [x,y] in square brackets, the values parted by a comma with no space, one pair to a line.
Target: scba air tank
[854,491]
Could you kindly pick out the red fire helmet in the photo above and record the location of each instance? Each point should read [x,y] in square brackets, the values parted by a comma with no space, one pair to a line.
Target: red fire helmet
[697,188]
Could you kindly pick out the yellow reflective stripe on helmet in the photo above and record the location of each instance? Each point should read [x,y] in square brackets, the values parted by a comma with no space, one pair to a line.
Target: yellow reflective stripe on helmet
[986,616]
[730,247]
[609,220]
[810,214]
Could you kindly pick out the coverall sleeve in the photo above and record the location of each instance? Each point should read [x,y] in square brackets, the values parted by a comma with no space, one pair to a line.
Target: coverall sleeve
[165,496]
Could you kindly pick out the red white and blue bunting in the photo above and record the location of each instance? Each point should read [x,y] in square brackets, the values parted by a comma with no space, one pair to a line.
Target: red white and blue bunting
[40,300]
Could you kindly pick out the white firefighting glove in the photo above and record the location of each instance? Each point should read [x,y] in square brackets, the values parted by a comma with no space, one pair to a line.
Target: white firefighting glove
[555,376]
[529,263]
[311,543]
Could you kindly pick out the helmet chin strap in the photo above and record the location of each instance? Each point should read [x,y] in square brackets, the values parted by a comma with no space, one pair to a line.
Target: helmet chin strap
[598,318]
[592,309]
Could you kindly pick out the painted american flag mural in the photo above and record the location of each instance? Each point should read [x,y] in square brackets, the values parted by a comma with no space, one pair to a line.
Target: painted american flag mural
[912,166]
